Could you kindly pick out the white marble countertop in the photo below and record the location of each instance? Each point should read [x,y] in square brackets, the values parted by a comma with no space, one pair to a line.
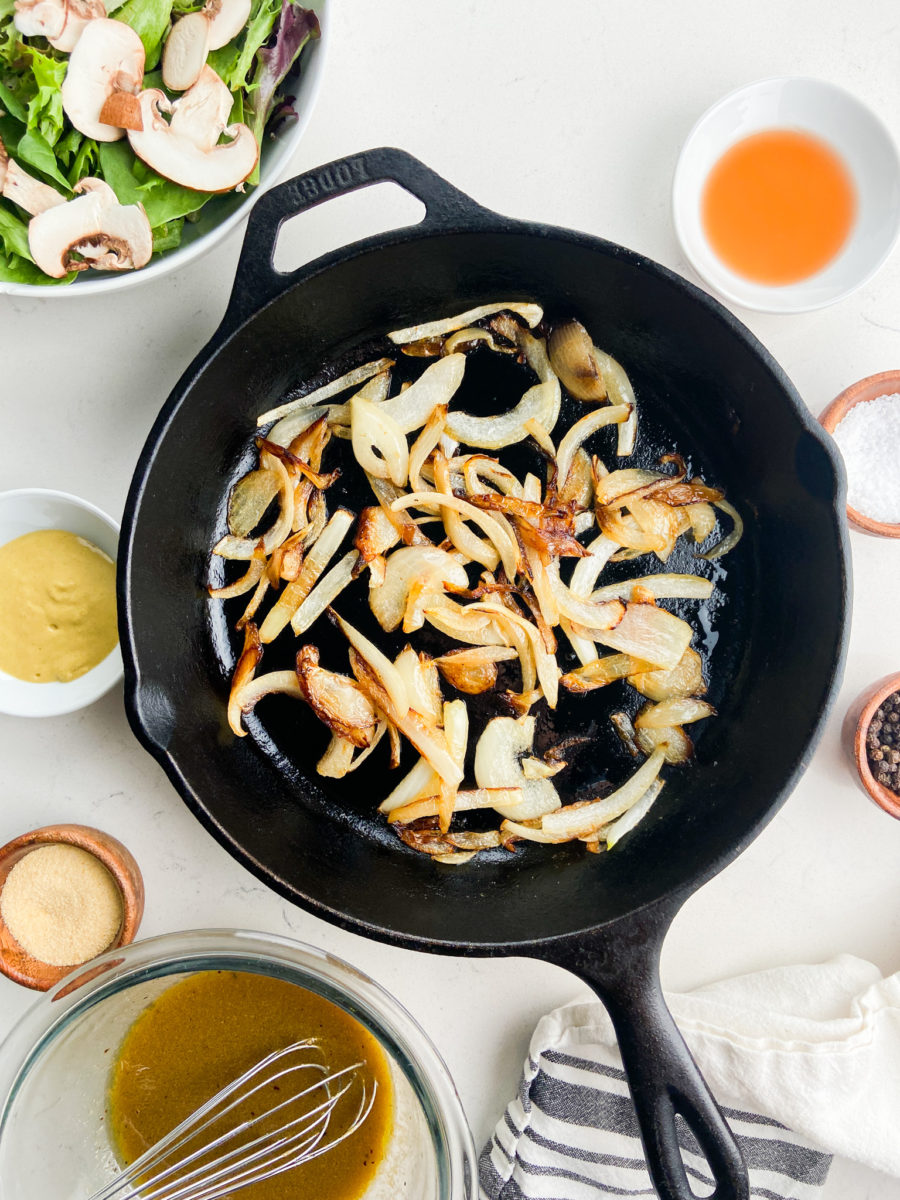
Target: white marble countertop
[571,113]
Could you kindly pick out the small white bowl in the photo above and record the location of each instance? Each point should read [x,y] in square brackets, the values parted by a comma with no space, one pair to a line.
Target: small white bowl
[222,213]
[837,118]
[22,512]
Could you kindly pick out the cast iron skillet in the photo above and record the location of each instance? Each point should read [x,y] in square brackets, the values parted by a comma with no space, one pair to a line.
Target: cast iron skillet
[704,383]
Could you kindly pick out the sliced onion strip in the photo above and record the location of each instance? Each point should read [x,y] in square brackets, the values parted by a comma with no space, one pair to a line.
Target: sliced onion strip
[530,313]
[574,821]
[503,543]
[613,414]
[661,587]
[730,540]
[326,391]
[650,634]
[373,429]
[624,824]
[680,710]
[385,671]
[619,391]
[245,547]
[324,593]
[316,561]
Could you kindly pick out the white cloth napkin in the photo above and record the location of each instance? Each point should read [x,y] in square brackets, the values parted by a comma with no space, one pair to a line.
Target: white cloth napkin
[805,1061]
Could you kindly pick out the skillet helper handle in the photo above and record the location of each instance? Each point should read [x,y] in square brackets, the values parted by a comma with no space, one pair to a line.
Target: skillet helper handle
[622,967]
[257,281]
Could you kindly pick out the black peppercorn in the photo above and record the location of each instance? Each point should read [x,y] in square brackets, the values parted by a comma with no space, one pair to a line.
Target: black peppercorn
[883,743]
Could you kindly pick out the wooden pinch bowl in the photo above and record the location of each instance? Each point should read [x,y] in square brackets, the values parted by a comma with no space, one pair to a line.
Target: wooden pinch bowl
[856,726]
[884,384]
[16,962]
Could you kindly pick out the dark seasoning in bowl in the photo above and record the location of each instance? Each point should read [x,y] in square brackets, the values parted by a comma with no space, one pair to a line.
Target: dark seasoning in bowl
[883,743]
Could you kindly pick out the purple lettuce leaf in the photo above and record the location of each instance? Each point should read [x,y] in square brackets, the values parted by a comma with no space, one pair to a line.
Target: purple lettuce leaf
[296,25]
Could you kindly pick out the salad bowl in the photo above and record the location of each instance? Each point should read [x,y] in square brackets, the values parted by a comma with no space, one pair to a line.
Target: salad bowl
[223,212]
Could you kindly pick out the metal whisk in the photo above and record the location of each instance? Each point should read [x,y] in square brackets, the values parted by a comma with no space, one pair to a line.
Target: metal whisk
[182,1166]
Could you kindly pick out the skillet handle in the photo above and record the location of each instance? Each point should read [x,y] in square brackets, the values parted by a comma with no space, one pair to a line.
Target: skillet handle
[257,281]
[621,964]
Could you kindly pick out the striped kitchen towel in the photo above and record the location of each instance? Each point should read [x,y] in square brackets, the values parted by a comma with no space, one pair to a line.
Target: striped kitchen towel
[805,1062]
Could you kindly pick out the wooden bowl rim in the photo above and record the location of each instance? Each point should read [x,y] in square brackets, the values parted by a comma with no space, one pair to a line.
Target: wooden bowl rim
[864,389]
[882,796]
[118,860]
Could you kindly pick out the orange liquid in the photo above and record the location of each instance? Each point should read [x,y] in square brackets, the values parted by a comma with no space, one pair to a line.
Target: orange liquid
[778,206]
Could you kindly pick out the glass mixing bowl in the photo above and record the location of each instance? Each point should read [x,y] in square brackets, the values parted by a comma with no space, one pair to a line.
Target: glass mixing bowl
[54,1067]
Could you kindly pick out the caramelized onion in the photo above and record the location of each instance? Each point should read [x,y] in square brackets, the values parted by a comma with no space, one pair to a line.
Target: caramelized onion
[578,821]
[497,755]
[316,561]
[473,671]
[327,390]
[571,353]
[372,429]
[684,679]
[325,592]
[660,587]
[730,540]
[428,565]
[530,313]
[650,634]
[335,699]
[678,710]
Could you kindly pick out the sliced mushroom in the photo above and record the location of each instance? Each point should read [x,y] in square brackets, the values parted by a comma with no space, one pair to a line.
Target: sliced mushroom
[93,230]
[78,14]
[61,22]
[108,59]
[226,20]
[186,148]
[184,56]
[195,34]
[40,18]
[23,189]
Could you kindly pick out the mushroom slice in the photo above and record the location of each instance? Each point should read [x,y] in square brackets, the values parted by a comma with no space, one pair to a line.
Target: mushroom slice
[23,189]
[186,148]
[226,20]
[78,14]
[184,56]
[108,59]
[40,18]
[94,227]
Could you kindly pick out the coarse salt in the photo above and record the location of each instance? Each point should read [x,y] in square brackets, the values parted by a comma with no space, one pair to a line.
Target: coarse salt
[869,440]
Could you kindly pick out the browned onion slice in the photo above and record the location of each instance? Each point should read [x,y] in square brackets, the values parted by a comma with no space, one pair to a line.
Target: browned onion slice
[684,679]
[531,313]
[337,700]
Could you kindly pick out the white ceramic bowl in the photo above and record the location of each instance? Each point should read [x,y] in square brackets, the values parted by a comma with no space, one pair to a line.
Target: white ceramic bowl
[222,213]
[22,512]
[834,116]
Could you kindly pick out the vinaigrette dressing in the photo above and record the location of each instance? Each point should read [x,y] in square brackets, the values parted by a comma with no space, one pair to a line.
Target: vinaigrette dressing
[208,1029]
[778,206]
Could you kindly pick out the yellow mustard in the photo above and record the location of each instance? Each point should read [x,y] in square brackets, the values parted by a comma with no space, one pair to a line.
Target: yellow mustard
[57,606]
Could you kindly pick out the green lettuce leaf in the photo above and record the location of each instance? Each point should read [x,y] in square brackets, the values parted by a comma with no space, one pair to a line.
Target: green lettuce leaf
[163,200]
[168,236]
[11,102]
[263,16]
[13,234]
[33,150]
[45,110]
[150,21]
[85,162]
[14,269]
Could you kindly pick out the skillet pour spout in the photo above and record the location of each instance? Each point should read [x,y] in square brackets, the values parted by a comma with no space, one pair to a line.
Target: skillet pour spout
[774,648]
